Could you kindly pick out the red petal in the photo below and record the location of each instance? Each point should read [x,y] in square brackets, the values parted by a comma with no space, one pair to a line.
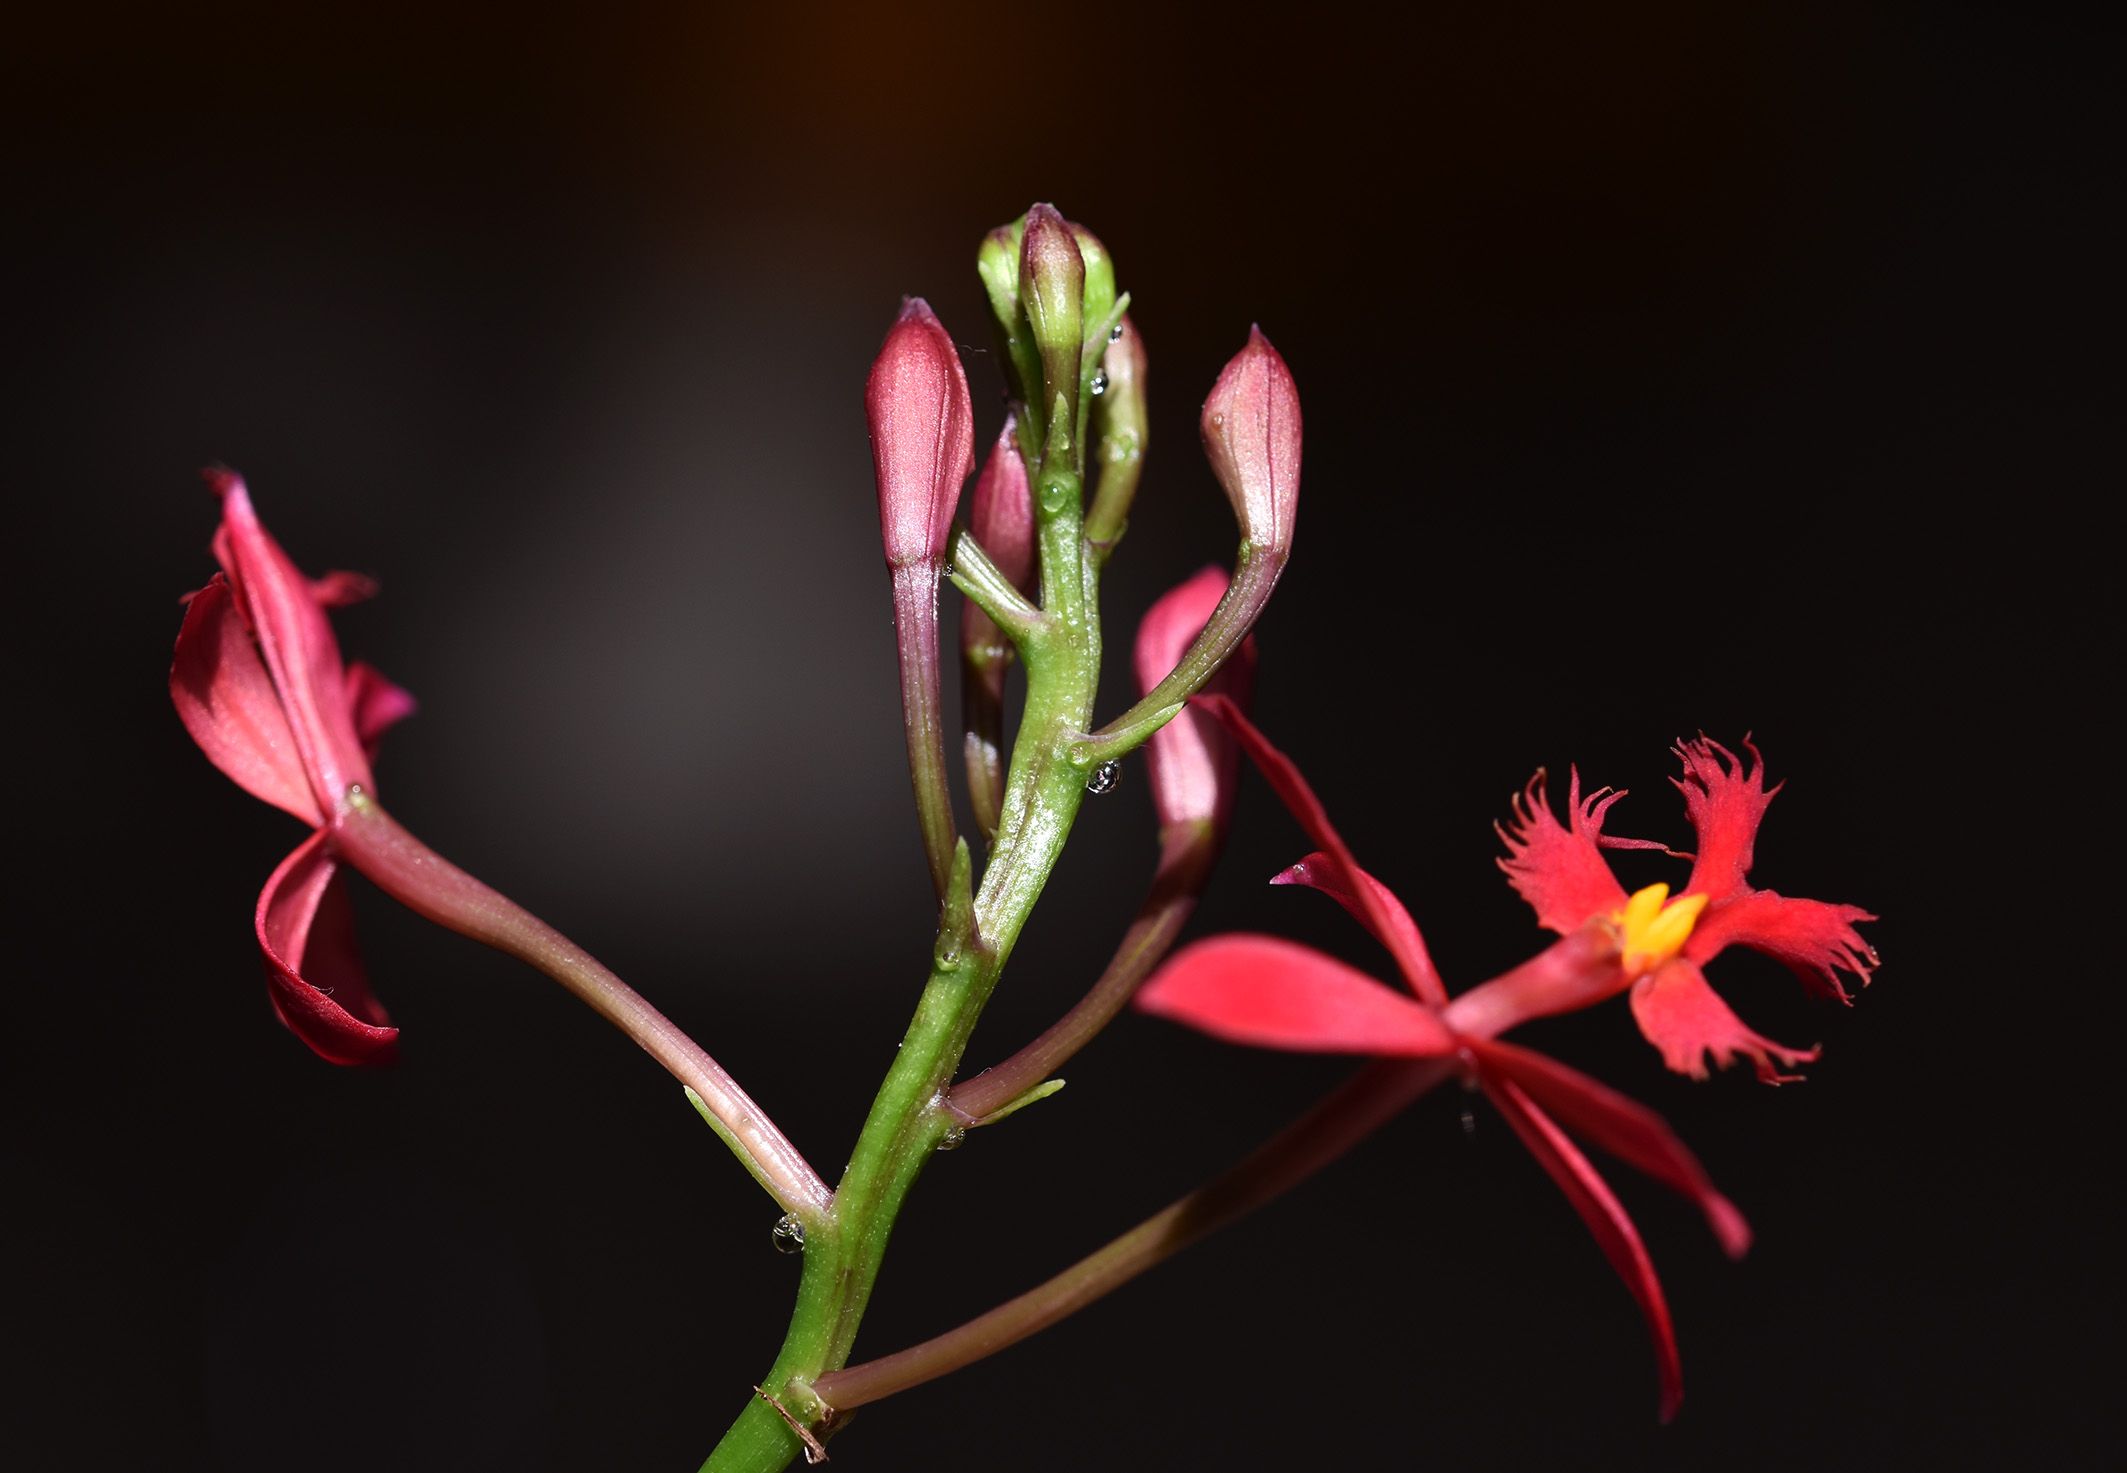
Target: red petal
[1300,800]
[1191,764]
[1686,1019]
[1625,1128]
[295,639]
[1559,870]
[313,973]
[1269,993]
[1814,938]
[1725,798]
[227,701]
[378,705]
[1321,872]
[1599,1208]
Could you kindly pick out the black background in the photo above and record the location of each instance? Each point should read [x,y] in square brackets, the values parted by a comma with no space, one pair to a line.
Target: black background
[1663,370]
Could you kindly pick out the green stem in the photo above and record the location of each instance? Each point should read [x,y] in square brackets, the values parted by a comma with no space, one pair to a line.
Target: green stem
[1375,1095]
[910,1116]
[431,886]
[1255,576]
[1187,851]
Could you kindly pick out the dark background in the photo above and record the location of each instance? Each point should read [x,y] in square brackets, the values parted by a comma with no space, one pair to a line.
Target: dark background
[1663,370]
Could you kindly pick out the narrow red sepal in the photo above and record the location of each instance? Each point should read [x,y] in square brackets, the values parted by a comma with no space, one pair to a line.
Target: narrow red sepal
[1606,1219]
[1403,939]
[1269,993]
[1624,1127]
[1300,801]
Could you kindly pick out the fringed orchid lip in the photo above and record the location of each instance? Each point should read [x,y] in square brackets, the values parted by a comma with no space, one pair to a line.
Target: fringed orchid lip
[1559,868]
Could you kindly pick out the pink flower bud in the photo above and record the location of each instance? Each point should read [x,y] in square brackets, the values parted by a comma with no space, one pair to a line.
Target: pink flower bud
[1002,513]
[1191,761]
[1251,430]
[922,435]
[1052,288]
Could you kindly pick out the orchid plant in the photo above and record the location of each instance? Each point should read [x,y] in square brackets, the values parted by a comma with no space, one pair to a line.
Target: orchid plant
[259,682]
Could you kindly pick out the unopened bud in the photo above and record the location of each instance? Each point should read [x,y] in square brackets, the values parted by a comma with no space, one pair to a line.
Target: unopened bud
[1119,428]
[1002,520]
[997,263]
[922,435]
[1251,430]
[1098,299]
[1052,285]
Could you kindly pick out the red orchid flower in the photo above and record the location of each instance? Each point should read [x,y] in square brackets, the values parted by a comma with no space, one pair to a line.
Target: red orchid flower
[258,681]
[1559,869]
[1272,993]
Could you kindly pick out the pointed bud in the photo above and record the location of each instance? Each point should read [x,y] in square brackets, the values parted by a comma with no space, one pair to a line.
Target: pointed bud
[1002,514]
[1002,519]
[923,446]
[1098,299]
[1119,430]
[922,435]
[1052,286]
[1251,430]
[1191,760]
[997,263]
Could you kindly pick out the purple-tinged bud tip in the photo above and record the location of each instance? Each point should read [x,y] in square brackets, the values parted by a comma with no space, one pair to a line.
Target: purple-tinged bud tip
[1251,430]
[922,435]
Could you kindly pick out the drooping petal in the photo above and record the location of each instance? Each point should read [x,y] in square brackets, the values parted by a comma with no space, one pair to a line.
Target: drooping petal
[1606,1219]
[1559,867]
[1685,1018]
[1625,1128]
[226,699]
[1300,801]
[1815,938]
[1403,939]
[1725,797]
[1190,762]
[378,705]
[314,975]
[1269,993]
[296,642]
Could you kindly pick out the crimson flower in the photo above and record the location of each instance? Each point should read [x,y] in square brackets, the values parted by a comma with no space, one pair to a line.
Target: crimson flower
[1271,993]
[258,681]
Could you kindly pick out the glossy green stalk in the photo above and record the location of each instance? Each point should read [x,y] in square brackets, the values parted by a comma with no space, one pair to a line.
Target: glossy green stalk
[910,1117]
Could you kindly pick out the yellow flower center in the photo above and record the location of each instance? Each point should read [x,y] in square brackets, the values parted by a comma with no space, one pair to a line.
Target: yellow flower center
[1655,927]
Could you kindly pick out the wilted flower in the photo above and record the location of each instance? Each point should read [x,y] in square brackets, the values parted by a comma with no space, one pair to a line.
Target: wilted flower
[257,680]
